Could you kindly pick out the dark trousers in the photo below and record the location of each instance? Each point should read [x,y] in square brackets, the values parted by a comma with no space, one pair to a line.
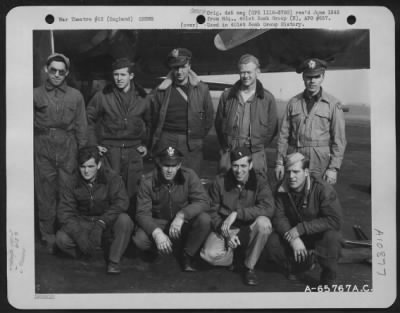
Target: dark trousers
[127,162]
[55,168]
[326,246]
[114,241]
[193,154]
[193,234]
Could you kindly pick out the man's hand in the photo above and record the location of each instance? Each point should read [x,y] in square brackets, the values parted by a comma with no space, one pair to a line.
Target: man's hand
[142,150]
[226,225]
[176,226]
[163,243]
[291,234]
[279,172]
[299,250]
[330,176]
[234,242]
[102,150]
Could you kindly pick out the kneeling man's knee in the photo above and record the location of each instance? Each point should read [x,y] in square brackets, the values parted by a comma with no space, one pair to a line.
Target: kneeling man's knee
[263,225]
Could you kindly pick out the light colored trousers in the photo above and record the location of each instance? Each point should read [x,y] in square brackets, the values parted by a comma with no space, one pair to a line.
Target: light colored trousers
[216,251]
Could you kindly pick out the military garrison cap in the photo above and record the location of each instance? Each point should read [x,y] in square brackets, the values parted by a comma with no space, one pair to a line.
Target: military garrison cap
[312,66]
[59,57]
[122,63]
[169,156]
[293,158]
[239,152]
[179,57]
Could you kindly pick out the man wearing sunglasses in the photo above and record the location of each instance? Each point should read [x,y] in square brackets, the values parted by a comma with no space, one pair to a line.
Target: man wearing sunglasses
[60,128]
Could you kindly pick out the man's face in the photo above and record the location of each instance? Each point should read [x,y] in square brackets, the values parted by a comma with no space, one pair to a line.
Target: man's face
[181,73]
[89,169]
[122,78]
[241,169]
[56,73]
[296,176]
[313,82]
[248,74]
[169,172]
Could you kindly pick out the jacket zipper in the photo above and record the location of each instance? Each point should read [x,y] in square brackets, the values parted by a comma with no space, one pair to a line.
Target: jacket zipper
[90,189]
[169,201]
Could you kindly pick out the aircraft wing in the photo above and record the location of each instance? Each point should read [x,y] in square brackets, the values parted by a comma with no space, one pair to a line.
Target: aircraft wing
[214,51]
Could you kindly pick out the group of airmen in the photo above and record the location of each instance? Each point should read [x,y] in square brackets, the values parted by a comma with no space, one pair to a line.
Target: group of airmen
[89,169]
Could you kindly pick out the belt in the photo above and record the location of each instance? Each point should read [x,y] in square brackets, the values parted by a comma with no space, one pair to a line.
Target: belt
[121,145]
[51,131]
[240,137]
[315,143]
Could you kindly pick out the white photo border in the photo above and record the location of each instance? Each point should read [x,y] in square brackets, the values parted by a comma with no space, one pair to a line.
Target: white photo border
[20,23]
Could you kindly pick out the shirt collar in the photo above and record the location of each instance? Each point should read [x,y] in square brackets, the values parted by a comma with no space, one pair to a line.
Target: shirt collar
[231,183]
[284,187]
[234,91]
[315,97]
[159,180]
[50,87]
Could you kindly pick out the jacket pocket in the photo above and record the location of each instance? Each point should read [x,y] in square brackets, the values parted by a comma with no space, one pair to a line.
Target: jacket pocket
[296,115]
[323,113]
[69,113]
[322,120]
[41,107]
[136,127]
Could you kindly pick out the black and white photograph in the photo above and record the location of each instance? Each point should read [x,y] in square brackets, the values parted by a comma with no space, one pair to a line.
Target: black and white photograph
[232,154]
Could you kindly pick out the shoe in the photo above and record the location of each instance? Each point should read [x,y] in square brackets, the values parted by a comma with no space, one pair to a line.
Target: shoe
[51,248]
[113,268]
[292,277]
[50,243]
[328,278]
[250,277]
[188,263]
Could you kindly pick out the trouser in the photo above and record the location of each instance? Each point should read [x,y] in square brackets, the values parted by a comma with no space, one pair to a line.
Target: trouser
[193,234]
[319,158]
[259,161]
[127,162]
[217,252]
[55,168]
[193,155]
[115,239]
[326,246]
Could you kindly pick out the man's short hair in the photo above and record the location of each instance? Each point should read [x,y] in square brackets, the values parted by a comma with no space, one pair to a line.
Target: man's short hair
[295,157]
[247,58]
[58,57]
[86,153]
[122,63]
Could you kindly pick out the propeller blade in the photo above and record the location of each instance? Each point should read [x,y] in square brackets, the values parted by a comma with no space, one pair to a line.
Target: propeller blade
[231,38]
[98,38]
